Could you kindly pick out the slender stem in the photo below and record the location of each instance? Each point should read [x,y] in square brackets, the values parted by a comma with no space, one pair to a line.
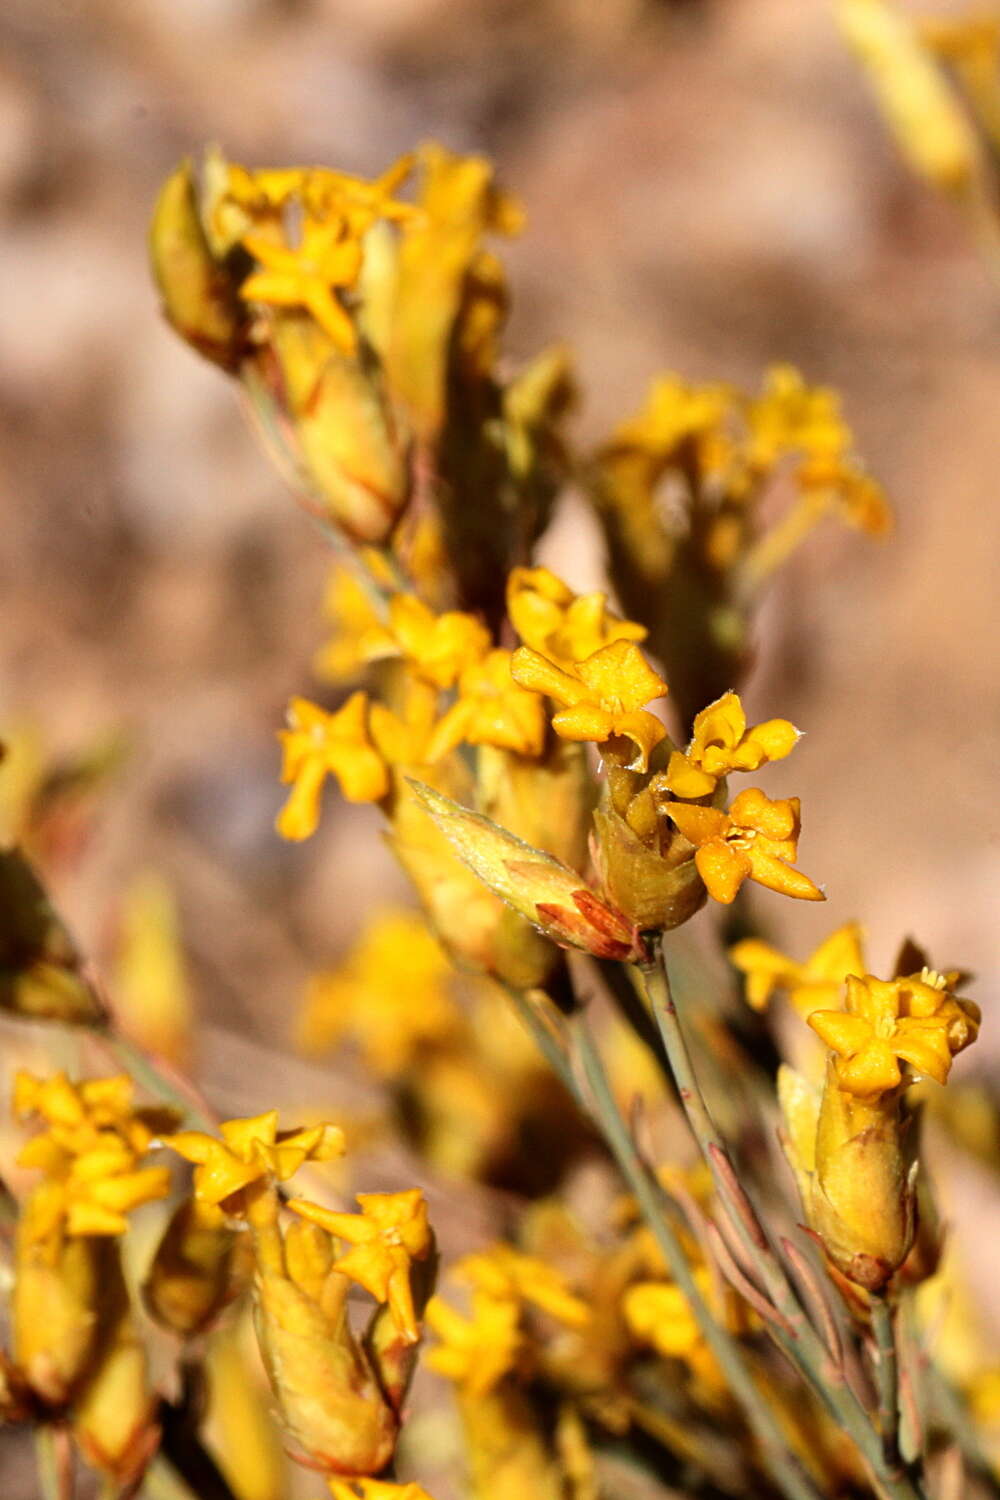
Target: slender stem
[806,1347]
[886,1376]
[55,1462]
[787,1474]
[790,1479]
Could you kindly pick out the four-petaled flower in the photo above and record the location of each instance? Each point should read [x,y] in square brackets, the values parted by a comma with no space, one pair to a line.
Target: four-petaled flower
[436,648]
[604,695]
[318,744]
[477,1352]
[389,1233]
[491,710]
[757,839]
[811,985]
[559,624]
[721,743]
[914,1020]
[328,256]
[252,1150]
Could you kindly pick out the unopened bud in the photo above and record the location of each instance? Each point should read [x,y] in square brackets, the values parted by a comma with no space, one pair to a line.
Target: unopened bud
[856,1172]
[199,294]
[544,890]
[345,440]
[194,1273]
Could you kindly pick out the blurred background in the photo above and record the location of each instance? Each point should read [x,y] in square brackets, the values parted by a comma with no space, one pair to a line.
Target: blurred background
[709,189]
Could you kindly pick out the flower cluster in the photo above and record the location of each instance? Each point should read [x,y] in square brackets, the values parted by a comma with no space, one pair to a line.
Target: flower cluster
[543,789]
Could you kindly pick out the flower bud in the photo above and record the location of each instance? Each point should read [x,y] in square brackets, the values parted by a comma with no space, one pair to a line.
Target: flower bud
[351,455]
[57,1289]
[194,1272]
[39,964]
[655,891]
[327,1392]
[548,893]
[855,1164]
[114,1416]
[199,295]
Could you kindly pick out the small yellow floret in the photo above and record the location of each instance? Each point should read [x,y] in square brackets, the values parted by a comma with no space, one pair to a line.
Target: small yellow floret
[914,1020]
[329,257]
[811,985]
[721,743]
[559,624]
[491,710]
[757,839]
[389,1233]
[436,648]
[476,1353]
[318,744]
[604,695]
[391,996]
[252,1150]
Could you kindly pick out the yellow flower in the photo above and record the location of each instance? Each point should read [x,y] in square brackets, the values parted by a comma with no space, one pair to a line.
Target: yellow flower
[436,648]
[792,417]
[721,743]
[476,1353]
[675,415]
[317,744]
[604,695]
[391,996]
[79,1115]
[328,256]
[252,1150]
[93,1196]
[358,198]
[506,1274]
[913,1020]
[755,840]
[347,605]
[389,1233]
[559,624]
[659,1314]
[811,985]
[374,1489]
[491,710]
[90,1155]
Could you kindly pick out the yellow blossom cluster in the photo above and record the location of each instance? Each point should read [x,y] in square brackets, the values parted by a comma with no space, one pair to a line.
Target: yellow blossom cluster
[90,1150]
[391,996]
[479,1351]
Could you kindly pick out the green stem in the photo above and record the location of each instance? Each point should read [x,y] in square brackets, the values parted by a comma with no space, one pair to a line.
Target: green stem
[886,1376]
[802,1343]
[790,1479]
[55,1463]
